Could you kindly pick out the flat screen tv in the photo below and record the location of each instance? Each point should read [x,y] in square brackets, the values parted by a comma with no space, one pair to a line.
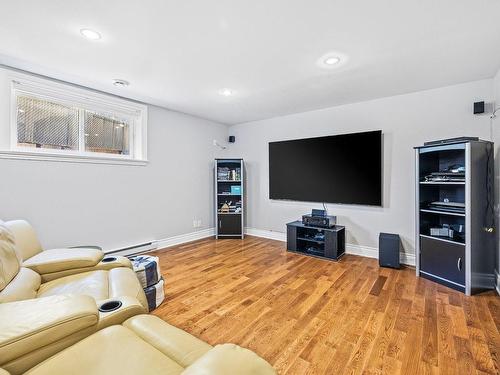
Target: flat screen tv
[344,168]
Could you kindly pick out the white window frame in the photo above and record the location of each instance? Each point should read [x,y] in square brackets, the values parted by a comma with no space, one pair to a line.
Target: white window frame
[83,99]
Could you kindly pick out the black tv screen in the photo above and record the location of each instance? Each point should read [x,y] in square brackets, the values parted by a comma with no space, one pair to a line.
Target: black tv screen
[344,168]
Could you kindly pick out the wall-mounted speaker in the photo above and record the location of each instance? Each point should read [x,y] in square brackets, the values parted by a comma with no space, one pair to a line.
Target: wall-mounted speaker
[232,139]
[389,246]
[478,108]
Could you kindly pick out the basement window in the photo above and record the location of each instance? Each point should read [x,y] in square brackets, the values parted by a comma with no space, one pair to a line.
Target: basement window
[53,121]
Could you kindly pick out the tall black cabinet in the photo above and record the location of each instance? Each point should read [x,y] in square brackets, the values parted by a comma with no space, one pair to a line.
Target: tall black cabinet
[455,241]
[229,198]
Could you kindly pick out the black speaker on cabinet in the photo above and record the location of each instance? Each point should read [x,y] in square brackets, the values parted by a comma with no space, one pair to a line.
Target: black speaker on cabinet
[389,246]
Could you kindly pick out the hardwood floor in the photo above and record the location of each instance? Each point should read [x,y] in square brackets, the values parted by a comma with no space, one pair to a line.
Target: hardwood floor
[307,315]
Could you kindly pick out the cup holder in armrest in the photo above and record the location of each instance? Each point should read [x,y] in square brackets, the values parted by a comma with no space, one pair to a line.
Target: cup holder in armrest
[110,306]
[108,259]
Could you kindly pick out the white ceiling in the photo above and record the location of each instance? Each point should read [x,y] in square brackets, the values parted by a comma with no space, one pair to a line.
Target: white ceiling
[178,54]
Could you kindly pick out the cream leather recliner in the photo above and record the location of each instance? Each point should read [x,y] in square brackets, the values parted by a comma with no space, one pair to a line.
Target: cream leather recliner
[145,344]
[19,283]
[54,263]
[24,298]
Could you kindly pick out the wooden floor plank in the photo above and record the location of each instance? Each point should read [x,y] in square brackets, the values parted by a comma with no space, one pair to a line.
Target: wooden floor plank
[312,316]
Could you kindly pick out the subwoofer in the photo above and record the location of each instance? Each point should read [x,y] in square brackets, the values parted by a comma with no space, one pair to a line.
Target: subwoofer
[389,247]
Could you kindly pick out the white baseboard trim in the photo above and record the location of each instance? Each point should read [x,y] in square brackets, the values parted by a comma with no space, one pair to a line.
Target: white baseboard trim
[272,235]
[408,259]
[497,284]
[183,238]
[365,251]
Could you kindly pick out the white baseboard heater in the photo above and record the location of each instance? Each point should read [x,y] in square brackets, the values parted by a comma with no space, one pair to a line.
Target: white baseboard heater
[134,250]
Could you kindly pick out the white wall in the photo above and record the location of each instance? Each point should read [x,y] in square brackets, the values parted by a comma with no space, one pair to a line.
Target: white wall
[406,120]
[117,206]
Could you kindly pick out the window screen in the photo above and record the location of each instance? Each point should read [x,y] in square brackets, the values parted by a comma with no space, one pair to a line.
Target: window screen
[106,134]
[44,124]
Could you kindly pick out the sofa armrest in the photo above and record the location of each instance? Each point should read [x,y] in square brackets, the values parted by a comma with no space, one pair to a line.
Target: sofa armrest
[26,326]
[55,260]
[176,344]
[106,264]
[86,247]
[229,359]
[129,307]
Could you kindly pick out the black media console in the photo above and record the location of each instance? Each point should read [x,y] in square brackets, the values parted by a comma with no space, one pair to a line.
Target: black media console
[328,243]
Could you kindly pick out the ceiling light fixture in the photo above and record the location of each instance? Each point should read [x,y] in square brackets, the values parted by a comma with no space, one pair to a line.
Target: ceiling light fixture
[120,83]
[332,60]
[90,34]
[226,92]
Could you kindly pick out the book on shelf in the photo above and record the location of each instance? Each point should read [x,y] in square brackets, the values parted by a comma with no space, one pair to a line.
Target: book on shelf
[228,174]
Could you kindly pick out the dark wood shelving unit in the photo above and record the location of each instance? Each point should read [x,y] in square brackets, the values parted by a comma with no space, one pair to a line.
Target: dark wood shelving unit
[327,243]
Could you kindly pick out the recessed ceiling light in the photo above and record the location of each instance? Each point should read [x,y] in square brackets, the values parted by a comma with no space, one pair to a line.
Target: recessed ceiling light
[90,34]
[120,83]
[226,92]
[332,60]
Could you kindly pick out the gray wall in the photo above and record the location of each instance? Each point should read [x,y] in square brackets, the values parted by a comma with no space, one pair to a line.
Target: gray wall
[406,120]
[117,206]
[496,130]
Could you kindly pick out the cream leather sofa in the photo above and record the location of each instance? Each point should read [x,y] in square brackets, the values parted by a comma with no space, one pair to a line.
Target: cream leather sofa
[33,330]
[56,327]
[145,344]
[55,263]
[24,298]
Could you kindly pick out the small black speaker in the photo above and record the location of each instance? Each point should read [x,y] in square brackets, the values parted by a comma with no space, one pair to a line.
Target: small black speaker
[389,246]
[478,108]
[232,139]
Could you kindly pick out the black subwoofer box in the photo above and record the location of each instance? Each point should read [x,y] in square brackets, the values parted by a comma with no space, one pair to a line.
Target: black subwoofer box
[389,246]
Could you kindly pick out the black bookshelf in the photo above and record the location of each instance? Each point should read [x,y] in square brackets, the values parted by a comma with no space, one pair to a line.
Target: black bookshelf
[464,258]
[229,198]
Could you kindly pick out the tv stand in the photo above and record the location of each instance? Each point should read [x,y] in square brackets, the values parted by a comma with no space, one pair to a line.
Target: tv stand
[327,243]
